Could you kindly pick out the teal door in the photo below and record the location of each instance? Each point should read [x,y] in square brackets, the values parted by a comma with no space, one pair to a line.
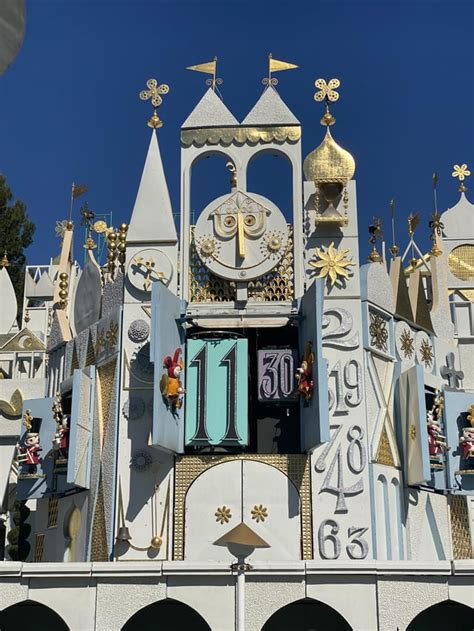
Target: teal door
[216,392]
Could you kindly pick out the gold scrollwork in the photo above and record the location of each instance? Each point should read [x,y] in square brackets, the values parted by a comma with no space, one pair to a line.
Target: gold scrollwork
[239,135]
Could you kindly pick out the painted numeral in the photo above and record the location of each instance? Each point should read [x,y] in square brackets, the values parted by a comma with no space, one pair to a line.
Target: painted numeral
[276,370]
[200,360]
[357,548]
[339,337]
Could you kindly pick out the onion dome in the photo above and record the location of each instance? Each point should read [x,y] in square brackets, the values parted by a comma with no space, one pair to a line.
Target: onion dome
[329,163]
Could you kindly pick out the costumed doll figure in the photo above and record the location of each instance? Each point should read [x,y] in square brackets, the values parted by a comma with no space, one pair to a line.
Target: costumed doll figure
[170,383]
[467,443]
[436,441]
[61,436]
[28,451]
[304,374]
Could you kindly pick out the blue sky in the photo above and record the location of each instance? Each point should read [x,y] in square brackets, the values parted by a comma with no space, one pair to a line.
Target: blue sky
[69,106]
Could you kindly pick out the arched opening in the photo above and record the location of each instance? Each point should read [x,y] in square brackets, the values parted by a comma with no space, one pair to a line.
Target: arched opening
[445,615]
[306,615]
[167,615]
[28,614]
[269,173]
[210,178]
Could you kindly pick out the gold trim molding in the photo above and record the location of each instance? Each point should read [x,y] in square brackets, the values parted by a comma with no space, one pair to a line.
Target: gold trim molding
[294,466]
[239,135]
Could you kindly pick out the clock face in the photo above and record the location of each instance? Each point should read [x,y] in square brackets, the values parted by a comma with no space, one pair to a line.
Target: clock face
[241,236]
[148,266]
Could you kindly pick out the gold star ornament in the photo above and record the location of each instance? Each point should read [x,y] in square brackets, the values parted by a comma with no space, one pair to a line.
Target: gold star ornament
[332,264]
[223,515]
[259,513]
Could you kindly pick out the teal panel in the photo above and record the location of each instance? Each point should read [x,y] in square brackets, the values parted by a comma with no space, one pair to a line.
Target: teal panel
[80,427]
[315,413]
[166,336]
[456,406]
[217,392]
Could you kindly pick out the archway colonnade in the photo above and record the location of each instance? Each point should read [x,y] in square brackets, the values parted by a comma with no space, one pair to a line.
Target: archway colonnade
[168,614]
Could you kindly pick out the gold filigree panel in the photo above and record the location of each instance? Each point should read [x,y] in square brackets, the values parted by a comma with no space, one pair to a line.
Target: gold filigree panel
[461,538]
[294,466]
[461,262]
[276,286]
[239,135]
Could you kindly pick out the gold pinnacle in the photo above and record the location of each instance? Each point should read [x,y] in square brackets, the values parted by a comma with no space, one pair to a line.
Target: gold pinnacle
[461,172]
[4,261]
[327,92]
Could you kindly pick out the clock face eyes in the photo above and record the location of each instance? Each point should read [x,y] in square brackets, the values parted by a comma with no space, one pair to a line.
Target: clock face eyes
[241,237]
[148,266]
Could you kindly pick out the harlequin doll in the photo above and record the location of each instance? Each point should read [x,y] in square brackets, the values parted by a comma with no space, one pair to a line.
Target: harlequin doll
[304,374]
[170,383]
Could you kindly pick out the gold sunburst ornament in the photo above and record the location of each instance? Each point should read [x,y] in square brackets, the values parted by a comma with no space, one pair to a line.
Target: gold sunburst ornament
[332,264]
[426,351]
[461,172]
[406,343]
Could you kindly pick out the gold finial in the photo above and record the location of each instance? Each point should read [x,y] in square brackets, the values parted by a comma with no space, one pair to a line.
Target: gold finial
[27,316]
[209,67]
[154,93]
[28,420]
[375,231]
[327,92]
[394,248]
[436,226]
[4,262]
[461,172]
[275,65]
[413,221]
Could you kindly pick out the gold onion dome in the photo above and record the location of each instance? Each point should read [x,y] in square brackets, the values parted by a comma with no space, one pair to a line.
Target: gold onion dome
[329,162]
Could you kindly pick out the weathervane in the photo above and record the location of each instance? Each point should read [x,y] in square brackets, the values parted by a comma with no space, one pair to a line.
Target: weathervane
[461,172]
[375,231]
[327,92]
[275,65]
[154,93]
[209,67]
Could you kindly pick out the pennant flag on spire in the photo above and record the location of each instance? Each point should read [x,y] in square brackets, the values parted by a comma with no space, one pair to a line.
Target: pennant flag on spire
[209,67]
[78,189]
[275,65]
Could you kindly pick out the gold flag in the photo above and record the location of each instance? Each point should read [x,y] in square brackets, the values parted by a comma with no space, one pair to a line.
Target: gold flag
[78,189]
[208,68]
[275,65]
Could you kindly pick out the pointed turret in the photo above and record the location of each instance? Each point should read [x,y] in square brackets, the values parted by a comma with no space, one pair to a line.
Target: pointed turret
[270,109]
[152,216]
[210,112]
